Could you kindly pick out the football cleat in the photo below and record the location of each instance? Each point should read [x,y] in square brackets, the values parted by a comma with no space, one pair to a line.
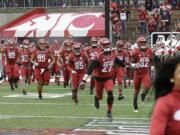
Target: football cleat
[143,98]
[109,116]
[121,97]
[135,107]
[76,100]
[24,92]
[65,84]
[96,102]
[40,97]
[16,85]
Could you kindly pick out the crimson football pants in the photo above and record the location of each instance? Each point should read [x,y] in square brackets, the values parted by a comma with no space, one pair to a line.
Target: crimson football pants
[66,75]
[108,85]
[143,78]
[26,72]
[44,77]
[76,79]
[12,71]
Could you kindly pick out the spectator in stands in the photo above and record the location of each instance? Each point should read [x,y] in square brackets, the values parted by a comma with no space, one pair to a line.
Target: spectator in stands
[165,16]
[156,4]
[148,4]
[151,25]
[163,27]
[166,113]
[166,12]
[178,27]
[173,3]
[155,15]
[116,27]
[136,2]
[143,17]
[124,20]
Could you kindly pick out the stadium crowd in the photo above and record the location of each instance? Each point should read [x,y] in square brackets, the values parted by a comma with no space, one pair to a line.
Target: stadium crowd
[152,18]
[58,3]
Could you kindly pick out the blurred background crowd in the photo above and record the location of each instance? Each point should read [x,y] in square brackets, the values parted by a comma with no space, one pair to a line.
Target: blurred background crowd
[152,16]
[54,3]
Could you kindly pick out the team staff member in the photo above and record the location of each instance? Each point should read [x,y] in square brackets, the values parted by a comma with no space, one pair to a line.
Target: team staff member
[166,114]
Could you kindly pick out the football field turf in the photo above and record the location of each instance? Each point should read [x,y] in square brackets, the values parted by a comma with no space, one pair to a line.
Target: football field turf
[57,110]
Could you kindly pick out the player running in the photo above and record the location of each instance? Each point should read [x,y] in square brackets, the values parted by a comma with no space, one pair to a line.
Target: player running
[119,69]
[65,52]
[25,65]
[103,64]
[12,69]
[56,68]
[127,74]
[92,51]
[77,65]
[141,61]
[40,59]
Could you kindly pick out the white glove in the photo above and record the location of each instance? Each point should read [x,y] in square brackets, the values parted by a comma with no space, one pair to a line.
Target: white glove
[152,68]
[42,71]
[73,72]
[135,65]
[35,64]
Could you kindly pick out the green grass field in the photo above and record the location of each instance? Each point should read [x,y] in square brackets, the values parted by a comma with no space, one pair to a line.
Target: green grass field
[24,112]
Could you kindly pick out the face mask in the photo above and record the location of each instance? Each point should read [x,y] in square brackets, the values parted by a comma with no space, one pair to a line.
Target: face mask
[107,50]
[68,49]
[94,45]
[25,46]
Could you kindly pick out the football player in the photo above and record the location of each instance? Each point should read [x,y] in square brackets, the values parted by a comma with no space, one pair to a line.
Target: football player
[12,69]
[40,59]
[56,68]
[77,65]
[103,64]
[92,51]
[127,50]
[65,53]
[119,69]
[25,64]
[141,61]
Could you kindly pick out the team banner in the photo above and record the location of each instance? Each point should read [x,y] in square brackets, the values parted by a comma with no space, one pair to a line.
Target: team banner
[58,25]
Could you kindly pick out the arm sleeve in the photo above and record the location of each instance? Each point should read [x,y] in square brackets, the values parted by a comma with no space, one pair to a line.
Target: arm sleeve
[159,118]
[92,66]
[119,62]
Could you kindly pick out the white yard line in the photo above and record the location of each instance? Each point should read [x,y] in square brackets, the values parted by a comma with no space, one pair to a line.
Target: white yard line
[69,104]
[67,117]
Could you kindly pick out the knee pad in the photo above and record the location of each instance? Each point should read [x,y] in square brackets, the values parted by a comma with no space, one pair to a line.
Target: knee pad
[110,98]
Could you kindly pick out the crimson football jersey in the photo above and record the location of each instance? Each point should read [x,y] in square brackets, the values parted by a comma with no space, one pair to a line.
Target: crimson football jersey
[121,55]
[56,52]
[65,56]
[92,52]
[25,56]
[11,55]
[143,58]
[105,68]
[78,63]
[42,57]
